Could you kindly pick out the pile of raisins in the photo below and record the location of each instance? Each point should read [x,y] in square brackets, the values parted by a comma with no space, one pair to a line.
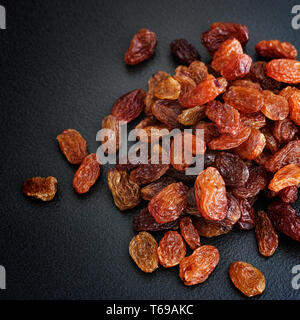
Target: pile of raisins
[250,115]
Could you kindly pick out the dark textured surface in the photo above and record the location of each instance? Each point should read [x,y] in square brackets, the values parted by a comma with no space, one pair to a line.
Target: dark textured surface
[62,67]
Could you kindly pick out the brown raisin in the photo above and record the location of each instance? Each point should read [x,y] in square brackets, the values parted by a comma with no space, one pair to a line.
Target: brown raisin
[183,51]
[72,145]
[87,174]
[189,233]
[143,251]
[40,188]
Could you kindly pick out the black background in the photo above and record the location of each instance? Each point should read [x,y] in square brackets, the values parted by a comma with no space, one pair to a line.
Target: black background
[62,67]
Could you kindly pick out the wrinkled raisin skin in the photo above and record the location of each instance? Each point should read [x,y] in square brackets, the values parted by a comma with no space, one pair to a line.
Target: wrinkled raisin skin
[143,251]
[249,280]
[183,51]
[197,267]
[169,203]
[129,106]
[87,174]
[210,194]
[233,169]
[149,191]
[247,219]
[285,219]
[40,188]
[72,145]
[171,249]
[267,238]
[275,49]
[289,194]
[284,70]
[189,233]
[141,47]
[125,192]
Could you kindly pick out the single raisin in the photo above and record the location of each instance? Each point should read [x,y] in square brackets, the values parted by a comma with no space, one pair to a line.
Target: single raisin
[72,145]
[197,267]
[210,194]
[169,203]
[249,280]
[87,174]
[287,176]
[141,47]
[266,236]
[143,251]
[171,249]
[275,49]
[284,70]
[125,192]
[189,233]
[183,51]
[40,188]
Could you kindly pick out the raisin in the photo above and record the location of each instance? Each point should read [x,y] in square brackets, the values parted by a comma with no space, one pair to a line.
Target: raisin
[189,233]
[143,251]
[233,169]
[149,191]
[167,111]
[141,47]
[167,89]
[275,49]
[209,228]
[294,103]
[284,130]
[197,267]
[247,219]
[205,91]
[253,146]
[226,51]
[237,67]
[271,143]
[220,32]
[285,219]
[249,280]
[226,142]
[210,130]
[284,156]
[111,137]
[87,174]
[226,117]
[171,249]
[274,107]
[147,173]
[198,71]
[210,194]
[72,145]
[183,51]
[258,74]
[246,83]
[125,192]
[169,203]
[129,106]
[255,120]
[284,70]
[289,194]
[145,222]
[233,212]
[257,181]
[191,116]
[287,176]
[182,71]
[40,188]
[266,236]
[186,84]
[152,83]
[248,100]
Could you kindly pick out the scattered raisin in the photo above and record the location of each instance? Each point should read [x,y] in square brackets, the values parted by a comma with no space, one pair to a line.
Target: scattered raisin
[40,188]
